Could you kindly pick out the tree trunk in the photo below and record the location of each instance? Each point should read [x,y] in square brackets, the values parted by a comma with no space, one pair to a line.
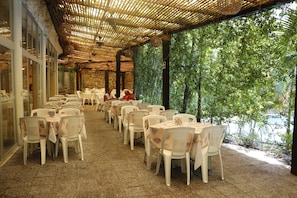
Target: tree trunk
[186,99]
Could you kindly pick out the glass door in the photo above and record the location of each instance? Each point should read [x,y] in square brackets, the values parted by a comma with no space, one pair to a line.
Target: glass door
[7,130]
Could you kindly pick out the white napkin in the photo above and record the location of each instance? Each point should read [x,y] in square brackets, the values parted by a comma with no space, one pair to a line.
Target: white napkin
[52,135]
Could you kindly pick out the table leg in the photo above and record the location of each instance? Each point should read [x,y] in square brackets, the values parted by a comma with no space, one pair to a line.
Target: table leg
[53,150]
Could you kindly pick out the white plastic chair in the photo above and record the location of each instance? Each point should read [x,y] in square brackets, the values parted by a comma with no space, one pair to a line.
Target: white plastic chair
[69,111]
[185,117]
[54,98]
[217,135]
[78,103]
[70,129]
[54,104]
[135,102]
[71,95]
[124,114]
[72,104]
[99,101]
[134,125]
[34,130]
[147,122]
[43,112]
[107,110]
[169,113]
[87,96]
[117,113]
[156,108]
[111,115]
[73,98]
[176,144]
[143,106]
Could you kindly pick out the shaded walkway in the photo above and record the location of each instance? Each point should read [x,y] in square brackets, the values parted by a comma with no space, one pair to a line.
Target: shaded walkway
[111,169]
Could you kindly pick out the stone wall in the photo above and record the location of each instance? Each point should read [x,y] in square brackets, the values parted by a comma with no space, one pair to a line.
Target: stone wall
[96,79]
[90,78]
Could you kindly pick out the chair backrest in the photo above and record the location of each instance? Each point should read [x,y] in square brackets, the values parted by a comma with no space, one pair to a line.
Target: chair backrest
[78,103]
[42,112]
[143,105]
[87,90]
[116,102]
[54,103]
[135,118]
[87,95]
[70,105]
[126,109]
[113,93]
[69,111]
[150,120]
[118,107]
[97,97]
[156,108]
[185,117]
[33,127]
[135,102]
[54,98]
[71,126]
[101,98]
[72,98]
[178,140]
[204,138]
[169,113]
[217,134]
[107,105]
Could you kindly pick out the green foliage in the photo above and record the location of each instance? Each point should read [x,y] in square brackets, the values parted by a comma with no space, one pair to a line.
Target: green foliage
[288,140]
[242,67]
[148,74]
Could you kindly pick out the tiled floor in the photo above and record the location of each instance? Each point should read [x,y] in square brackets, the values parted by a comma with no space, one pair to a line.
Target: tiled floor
[111,169]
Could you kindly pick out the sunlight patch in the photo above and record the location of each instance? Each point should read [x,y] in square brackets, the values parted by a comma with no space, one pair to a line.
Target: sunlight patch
[259,155]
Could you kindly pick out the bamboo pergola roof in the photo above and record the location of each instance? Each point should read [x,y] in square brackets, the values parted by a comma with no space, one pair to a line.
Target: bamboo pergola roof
[93,31]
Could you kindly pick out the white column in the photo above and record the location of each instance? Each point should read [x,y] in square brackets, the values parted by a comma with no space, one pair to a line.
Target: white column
[43,67]
[57,77]
[17,62]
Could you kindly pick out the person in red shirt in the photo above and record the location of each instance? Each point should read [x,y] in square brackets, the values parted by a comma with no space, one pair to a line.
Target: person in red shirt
[128,95]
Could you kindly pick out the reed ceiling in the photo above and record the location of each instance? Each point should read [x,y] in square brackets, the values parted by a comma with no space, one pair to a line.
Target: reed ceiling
[91,32]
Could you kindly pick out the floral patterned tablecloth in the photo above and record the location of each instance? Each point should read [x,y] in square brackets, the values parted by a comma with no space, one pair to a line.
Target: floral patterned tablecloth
[155,135]
[54,128]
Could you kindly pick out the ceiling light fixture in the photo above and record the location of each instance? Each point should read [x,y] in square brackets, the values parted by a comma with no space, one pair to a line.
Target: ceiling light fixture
[69,49]
[229,7]
[156,41]
[128,53]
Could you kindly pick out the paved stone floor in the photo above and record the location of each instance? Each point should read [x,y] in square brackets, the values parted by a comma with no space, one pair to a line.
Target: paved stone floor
[111,169]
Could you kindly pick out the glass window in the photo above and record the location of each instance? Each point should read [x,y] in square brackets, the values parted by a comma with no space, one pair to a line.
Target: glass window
[7,131]
[31,85]
[29,34]
[24,27]
[51,65]
[34,39]
[5,19]
[27,86]
[38,43]
[36,82]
